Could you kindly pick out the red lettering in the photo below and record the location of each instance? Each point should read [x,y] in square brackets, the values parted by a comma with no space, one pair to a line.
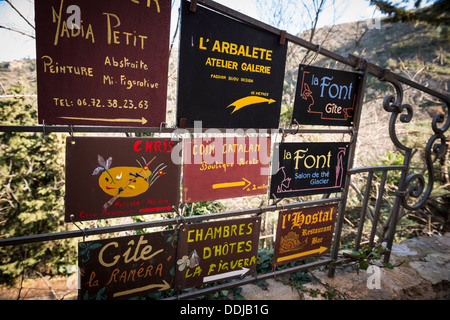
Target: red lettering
[158,146]
[135,147]
[148,146]
[154,146]
[85,215]
[171,145]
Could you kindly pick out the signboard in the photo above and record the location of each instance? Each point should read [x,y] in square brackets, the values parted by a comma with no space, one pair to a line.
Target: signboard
[230,74]
[219,168]
[215,251]
[110,177]
[325,96]
[102,62]
[126,267]
[304,233]
[309,168]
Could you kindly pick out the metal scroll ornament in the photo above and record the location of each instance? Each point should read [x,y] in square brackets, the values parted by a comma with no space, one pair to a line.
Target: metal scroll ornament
[416,185]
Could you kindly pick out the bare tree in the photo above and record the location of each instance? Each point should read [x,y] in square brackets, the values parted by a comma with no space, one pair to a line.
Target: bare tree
[295,16]
[28,33]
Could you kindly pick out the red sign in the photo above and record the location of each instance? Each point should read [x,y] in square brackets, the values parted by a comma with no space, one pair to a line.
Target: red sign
[304,233]
[220,168]
[110,177]
[102,62]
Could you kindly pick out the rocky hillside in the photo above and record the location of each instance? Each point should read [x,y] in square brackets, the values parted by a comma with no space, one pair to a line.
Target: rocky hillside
[418,52]
[415,51]
[22,73]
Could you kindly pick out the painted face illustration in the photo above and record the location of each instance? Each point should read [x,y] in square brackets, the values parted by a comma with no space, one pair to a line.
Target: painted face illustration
[124,180]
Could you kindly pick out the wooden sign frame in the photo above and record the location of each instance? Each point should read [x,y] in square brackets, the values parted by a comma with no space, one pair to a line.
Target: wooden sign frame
[225,167]
[215,251]
[304,233]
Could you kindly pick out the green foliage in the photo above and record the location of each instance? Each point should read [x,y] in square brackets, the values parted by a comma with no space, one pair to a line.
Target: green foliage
[286,115]
[391,158]
[438,13]
[366,256]
[201,208]
[32,193]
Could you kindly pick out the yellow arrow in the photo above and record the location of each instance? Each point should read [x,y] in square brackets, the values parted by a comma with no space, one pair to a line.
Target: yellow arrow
[142,120]
[302,254]
[244,102]
[244,183]
[162,286]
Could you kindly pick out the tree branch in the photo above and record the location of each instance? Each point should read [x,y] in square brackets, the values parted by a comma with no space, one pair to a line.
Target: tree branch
[20,14]
[18,31]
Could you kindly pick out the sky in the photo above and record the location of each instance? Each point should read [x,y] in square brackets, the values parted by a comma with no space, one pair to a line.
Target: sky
[14,45]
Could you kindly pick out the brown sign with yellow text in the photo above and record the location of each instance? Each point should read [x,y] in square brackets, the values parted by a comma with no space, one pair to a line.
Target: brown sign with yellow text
[125,267]
[216,251]
[304,233]
[102,62]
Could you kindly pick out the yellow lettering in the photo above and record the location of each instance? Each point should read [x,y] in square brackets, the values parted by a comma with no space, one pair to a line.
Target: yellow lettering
[206,252]
[189,236]
[216,46]
[100,255]
[201,46]
[225,47]
[311,161]
[109,26]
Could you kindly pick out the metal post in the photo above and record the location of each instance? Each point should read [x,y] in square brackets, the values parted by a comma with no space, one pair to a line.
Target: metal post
[352,150]
[396,207]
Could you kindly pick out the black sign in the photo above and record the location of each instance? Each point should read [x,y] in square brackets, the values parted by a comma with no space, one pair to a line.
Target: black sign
[231,75]
[309,168]
[325,96]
